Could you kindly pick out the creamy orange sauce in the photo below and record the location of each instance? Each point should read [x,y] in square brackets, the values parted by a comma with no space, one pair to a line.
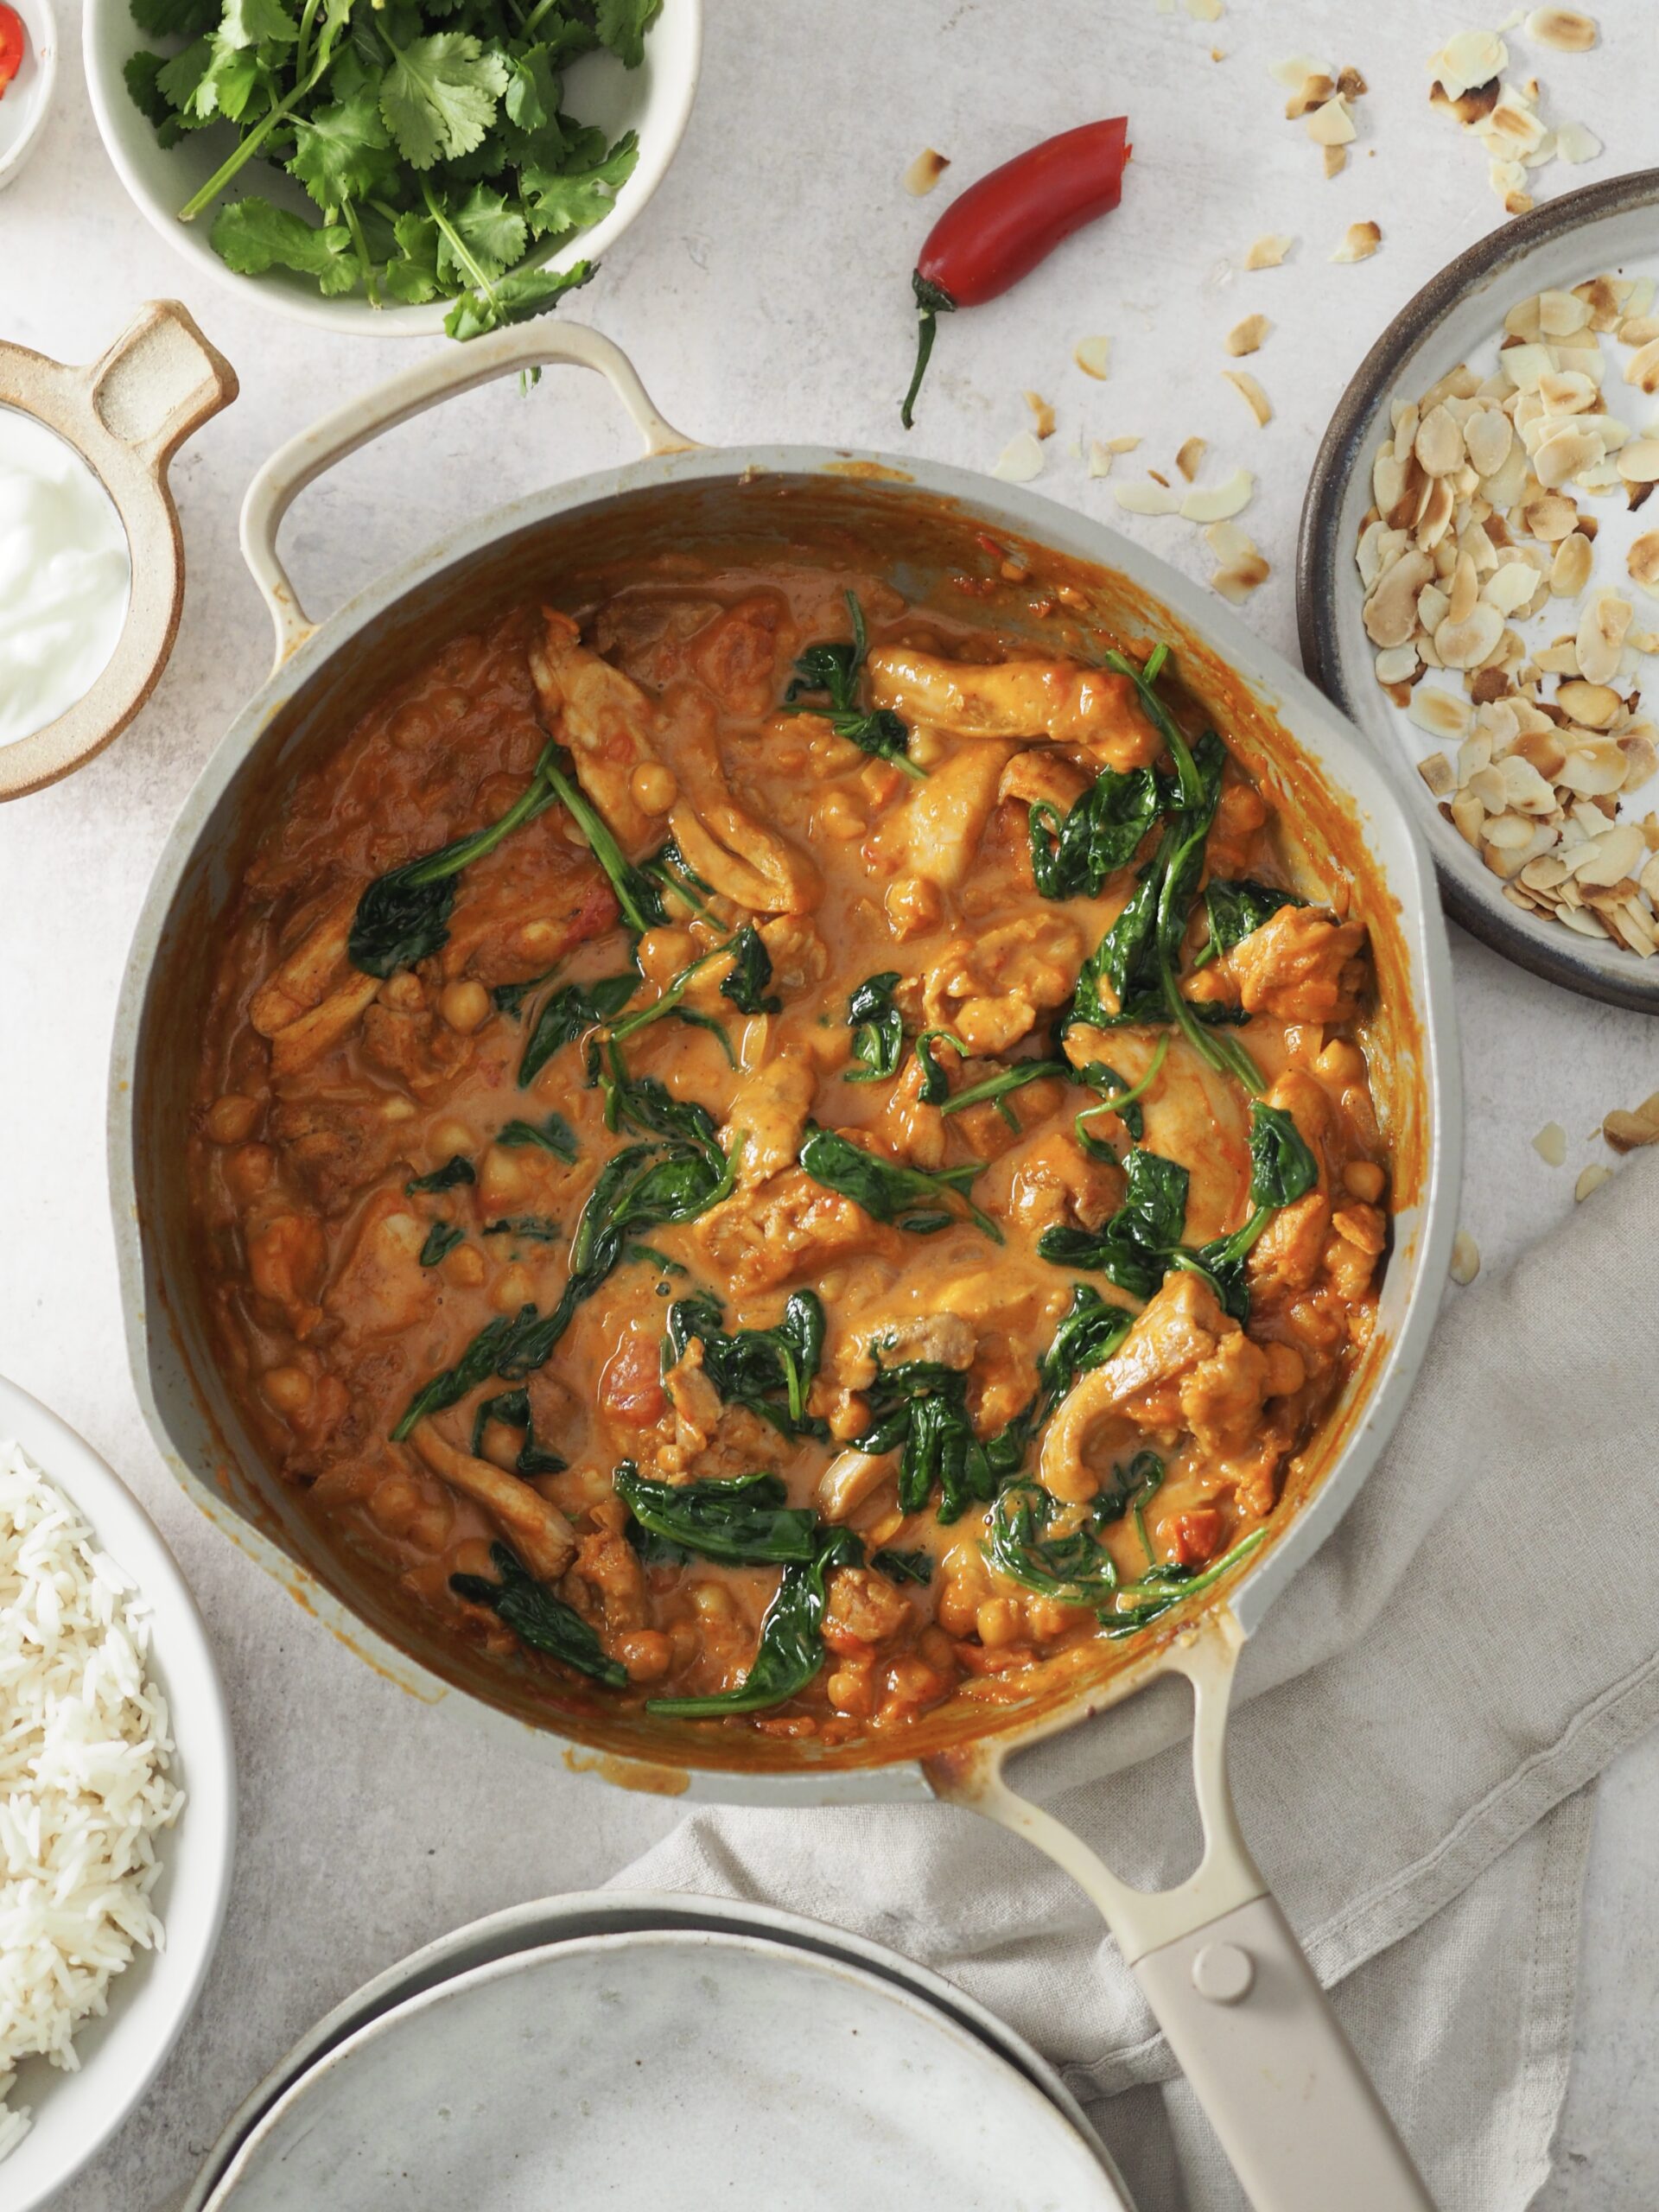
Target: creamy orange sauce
[324,1092]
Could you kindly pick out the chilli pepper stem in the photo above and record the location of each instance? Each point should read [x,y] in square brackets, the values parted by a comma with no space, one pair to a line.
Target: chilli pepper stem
[932,302]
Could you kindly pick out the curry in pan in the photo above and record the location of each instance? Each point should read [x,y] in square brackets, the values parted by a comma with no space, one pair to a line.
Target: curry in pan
[770,1155]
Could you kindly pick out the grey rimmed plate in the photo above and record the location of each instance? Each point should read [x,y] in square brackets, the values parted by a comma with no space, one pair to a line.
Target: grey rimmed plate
[709,2065]
[1610,228]
[545,1921]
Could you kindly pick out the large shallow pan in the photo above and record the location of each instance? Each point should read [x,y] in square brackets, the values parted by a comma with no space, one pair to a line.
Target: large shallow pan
[1215,1956]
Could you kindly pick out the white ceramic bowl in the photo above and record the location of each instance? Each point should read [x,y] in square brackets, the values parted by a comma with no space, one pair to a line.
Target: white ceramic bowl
[29,97]
[654,99]
[75,2114]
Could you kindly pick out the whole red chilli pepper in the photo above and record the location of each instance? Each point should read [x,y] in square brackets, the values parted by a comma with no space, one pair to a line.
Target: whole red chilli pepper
[1002,226]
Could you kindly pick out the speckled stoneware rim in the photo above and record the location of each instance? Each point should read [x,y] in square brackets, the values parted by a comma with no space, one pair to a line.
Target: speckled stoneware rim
[1324,584]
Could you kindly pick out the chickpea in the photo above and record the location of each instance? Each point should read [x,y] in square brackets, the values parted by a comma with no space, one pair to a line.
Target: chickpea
[936,1647]
[654,788]
[449,1137]
[999,1621]
[410,728]
[686,1642]
[248,1171]
[926,748]
[464,1006]
[1364,1180]
[714,1601]
[839,818]
[231,1118]
[288,1388]
[395,1108]
[851,1690]
[1341,1062]
[645,1652]
[503,1179]
[514,1286]
[450,705]
[394,1503]
[1286,1371]
[958,1604]
[404,992]
[430,1527]
[465,1267]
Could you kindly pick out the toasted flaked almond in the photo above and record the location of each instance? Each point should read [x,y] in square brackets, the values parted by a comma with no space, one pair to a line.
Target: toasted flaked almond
[925,171]
[1471,58]
[1638,462]
[1643,754]
[1336,159]
[1466,643]
[1568,391]
[1564,29]
[1190,457]
[1464,590]
[1569,572]
[1550,516]
[1251,393]
[1524,365]
[1318,86]
[1594,705]
[1390,610]
[1643,368]
[1093,356]
[1611,857]
[1559,313]
[1439,443]
[1642,561]
[1436,504]
[1268,251]
[1143,497]
[1042,414]
[1442,714]
[1638,330]
[1246,337]
[1468,815]
[1583,922]
[1240,578]
[1218,502]
[1543,749]
[1331,124]
[1396,665]
[1351,84]
[1359,242]
[1101,457]
[1594,769]
[1293,72]
[1465,1258]
[1204,12]
[1627,1129]
[1436,771]
[1433,606]
[1511,586]
[1591,1179]
[1487,436]
[1576,141]
[1525,791]
[1021,460]
[1550,1145]
[1567,449]
[1601,636]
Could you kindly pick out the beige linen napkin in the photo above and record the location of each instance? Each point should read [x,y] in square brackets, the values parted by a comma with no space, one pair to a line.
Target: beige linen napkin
[1420,1715]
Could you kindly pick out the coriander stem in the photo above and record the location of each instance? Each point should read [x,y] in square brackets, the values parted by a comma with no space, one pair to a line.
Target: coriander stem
[457,244]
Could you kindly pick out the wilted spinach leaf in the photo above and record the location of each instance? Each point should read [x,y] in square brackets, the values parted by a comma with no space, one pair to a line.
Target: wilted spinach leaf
[539,1619]
[747,1519]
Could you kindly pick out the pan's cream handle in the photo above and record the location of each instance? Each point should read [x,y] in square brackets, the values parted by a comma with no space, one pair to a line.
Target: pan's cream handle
[458,368]
[1242,2011]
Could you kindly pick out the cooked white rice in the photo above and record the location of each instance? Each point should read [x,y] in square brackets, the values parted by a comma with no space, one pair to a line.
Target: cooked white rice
[84,1753]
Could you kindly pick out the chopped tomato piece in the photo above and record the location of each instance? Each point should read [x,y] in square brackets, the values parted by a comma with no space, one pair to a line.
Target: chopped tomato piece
[12,45]
[1192,1537]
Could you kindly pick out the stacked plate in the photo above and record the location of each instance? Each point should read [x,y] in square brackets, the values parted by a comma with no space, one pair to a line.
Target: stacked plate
[586,2049]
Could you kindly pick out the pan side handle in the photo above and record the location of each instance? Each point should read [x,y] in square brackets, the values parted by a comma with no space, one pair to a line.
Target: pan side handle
[1241,2007]
[458,368]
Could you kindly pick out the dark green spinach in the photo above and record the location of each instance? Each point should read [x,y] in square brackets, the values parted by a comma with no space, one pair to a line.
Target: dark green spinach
[1235,911]
[539,1619]
[553,1134]
[768,1371]
[903,1196]
[791,1649]
[512,1410]
[570,1015]
[456,1169]
[905,1567]
[1136,1247]
[1102,832]
[878,1029]
[440,1240]
[746,1519]
[834,670]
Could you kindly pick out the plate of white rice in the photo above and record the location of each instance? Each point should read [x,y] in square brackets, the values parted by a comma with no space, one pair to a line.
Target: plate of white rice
[117,1802]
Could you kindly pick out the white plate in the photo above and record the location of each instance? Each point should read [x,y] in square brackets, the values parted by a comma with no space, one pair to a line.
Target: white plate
[655,99]
[1612,227]
[563,1919]
[707,2069]
[120,2053]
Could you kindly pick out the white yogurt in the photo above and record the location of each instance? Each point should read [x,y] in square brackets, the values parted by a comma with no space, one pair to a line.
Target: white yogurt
[64,576]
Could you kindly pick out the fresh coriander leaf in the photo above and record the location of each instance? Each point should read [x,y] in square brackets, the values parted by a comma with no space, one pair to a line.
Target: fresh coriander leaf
[143,74]
[251,237]
[342,151]
[534,90]
[258,22]
[622,25]
[571,198]
[492,232]
[439,94]
[176,18]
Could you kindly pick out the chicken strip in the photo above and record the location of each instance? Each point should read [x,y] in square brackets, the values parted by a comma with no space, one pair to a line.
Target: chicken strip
[537,1530]
[1060,700]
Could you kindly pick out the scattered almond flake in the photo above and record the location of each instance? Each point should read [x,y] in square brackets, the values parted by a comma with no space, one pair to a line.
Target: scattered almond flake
[1138,497]
[1465,1258]
[1093,356]
[1336,159]
[1439,774]
[1246,337]
[1292,73]
[1268,251]
[1331,124]
[1627,1131]
[1243,567]
[924,172]
[1101,458]
[1576,141]
[1042,414]
[1359,242]
[1550,1145]
[1219,502]
[1190,456]
[1642,561]
[1021,460]
[1204,12]
[1591,1179]
[1563,29]
[1252,394]
[1638,463]
[1469,61]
